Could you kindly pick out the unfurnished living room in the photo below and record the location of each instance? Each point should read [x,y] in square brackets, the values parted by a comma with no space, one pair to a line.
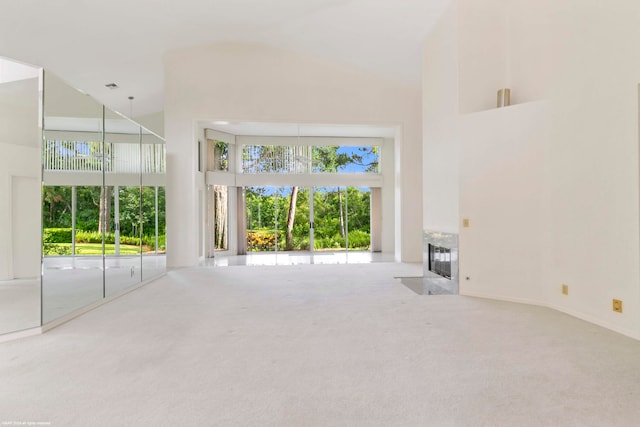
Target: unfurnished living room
[320,213]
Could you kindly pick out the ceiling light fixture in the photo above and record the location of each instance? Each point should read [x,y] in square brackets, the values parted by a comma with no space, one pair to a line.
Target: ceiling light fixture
[111,86]
[131,106]
[220,122]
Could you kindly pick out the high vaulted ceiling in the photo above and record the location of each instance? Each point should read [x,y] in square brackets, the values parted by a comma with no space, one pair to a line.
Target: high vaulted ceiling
[91,43]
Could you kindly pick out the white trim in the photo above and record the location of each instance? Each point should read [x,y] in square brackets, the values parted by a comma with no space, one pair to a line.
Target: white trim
[371,180]
[310,180]
[577,314]
[216,135]
[10,336]
[220,178]
[308,141]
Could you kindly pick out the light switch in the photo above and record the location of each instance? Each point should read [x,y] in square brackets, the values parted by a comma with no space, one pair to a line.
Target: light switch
[466,223]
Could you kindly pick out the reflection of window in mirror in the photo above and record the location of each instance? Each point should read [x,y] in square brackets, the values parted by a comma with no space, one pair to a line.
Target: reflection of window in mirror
[218,155]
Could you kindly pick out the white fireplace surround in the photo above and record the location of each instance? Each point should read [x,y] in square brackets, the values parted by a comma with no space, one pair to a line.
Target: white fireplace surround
[434,283]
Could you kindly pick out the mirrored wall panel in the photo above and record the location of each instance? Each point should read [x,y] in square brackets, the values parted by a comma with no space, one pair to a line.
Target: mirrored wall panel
[20,194]
[121,193]
[152,204]
[82,217]
[96,212]
[72,182]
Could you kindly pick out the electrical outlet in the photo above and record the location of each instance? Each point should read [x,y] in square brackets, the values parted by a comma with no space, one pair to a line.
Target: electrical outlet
[565,289]
[617,306]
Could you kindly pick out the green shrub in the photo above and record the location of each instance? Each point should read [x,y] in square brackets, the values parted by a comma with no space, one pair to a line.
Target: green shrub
[55,249]
[335,242]
[88,237]
[63,235]
[150,241]
[56,235]
[128,240]
[301,244]
[359,239]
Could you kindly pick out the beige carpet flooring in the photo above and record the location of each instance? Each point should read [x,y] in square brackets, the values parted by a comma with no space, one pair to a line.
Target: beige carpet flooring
[317,345]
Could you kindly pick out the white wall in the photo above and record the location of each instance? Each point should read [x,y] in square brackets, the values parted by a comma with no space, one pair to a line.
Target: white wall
[440,129]
[19,113]
[19,162]
[583,60]
[255,83]
[503,194]
[25,221]
[483,67]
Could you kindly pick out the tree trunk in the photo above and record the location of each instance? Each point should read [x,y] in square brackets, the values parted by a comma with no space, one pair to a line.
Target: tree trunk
[291,218]
[341,214]
[220,203]
[105,210]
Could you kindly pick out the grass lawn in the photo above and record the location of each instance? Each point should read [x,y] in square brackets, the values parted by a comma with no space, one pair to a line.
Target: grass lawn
[96,248]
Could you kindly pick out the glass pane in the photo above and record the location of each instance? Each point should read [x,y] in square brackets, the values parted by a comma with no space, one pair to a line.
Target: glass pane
[329,218]
[275,159]
[218,156]
[346,159]
[359,218]
[262,218]
[73,252]
[121,213]
[20,192]
[72,192]
[153,224]
[294,219]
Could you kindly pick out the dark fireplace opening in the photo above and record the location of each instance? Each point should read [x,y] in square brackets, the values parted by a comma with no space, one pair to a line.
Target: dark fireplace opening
[440,261]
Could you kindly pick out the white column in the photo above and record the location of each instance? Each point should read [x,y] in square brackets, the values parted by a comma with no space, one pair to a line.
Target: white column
[242,221]
[182,193]
[376,219]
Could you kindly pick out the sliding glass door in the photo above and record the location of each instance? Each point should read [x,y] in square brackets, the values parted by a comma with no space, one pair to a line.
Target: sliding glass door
[358,208]
[262,219]
[292,218]
[329,219]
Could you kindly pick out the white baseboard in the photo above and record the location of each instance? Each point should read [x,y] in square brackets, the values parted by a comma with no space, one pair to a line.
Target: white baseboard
[20,334]
[574,313]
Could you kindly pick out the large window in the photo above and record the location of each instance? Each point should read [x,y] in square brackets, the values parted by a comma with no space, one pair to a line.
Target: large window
[349,159]
[298,194]
[279,218]
[310,159]
[275,159]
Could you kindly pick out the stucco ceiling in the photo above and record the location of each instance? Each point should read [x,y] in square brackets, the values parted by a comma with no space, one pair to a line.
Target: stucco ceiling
[91,43]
